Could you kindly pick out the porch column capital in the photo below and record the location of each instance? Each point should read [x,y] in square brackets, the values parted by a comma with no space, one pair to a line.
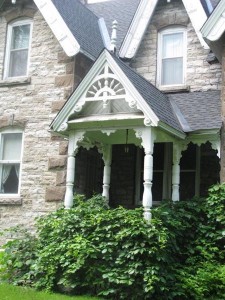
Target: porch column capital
[75,138]
[147,136]
[216,145]
[177,151]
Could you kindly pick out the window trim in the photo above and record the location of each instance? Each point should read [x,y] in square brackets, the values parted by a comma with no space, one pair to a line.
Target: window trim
[8,46]
[8,131]
[161,33]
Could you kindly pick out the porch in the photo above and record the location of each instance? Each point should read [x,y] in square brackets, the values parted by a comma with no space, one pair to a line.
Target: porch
[142,166]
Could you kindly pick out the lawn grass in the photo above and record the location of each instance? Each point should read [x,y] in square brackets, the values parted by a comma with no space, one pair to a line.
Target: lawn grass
[10,292]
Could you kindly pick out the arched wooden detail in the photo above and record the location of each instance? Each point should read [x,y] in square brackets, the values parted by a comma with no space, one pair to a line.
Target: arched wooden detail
[106,87]
[107,90]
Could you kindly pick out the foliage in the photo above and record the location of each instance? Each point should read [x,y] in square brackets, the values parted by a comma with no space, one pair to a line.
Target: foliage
[18,257]
[11,292]
[116,254]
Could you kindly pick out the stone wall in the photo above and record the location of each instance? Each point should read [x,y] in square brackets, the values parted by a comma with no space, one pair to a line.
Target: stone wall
[32,103]
[200,75]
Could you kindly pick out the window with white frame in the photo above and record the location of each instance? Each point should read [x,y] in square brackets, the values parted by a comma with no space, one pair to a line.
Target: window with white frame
[10,161]
[172,56]
[17,48]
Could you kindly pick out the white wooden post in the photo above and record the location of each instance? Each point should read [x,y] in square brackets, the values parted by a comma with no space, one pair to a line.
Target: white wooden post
[68,202]
[147,137]
[107,158]
[74,138]
[177,149]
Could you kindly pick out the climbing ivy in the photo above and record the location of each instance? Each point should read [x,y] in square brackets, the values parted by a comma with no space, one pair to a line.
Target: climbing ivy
[116,254]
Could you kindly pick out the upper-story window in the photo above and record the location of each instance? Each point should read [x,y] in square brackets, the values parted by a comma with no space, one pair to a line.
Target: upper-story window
[17,48]
[172,49]
[10,161]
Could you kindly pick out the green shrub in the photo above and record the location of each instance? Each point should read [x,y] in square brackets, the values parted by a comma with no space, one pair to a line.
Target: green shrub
[18,257]
[116,254]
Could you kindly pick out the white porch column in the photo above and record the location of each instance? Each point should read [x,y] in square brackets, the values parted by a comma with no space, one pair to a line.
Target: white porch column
[148,144]
[74,138]
[107,158]
[68,202]
[177,149]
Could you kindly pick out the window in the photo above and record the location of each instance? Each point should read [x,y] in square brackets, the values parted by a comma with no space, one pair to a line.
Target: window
[17,48]
[10,161]
[172,56]
[162,168]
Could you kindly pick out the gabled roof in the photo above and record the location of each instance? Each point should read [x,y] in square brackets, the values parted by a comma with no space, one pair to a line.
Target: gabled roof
[79,30]
[83,24]
[158,101]
[155,105]
[120,10]
[143,16]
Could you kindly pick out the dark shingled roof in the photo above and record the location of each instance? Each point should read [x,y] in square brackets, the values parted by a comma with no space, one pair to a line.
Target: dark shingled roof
[157,101]
[201,110]
[83,24]
[120,10]
[214,2]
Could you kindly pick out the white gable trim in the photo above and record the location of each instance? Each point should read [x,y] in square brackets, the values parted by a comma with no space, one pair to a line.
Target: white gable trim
[69,108]
[143,16]
[215,25]
[58,27]
[104,33]
[137,28]
[197,16]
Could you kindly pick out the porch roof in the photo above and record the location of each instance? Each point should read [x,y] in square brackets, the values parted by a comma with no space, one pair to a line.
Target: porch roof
[157,101]
[200,110]
[150,100]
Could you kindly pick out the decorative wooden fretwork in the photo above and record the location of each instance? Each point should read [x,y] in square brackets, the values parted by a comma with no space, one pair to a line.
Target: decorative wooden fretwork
[106,87]
[105,90]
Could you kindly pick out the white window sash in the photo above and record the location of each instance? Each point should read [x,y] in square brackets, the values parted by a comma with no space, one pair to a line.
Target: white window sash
[9,50]
[16,163]
[161,58]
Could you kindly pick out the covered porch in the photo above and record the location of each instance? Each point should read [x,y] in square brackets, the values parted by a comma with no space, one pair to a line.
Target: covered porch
[134,144]
[134,166]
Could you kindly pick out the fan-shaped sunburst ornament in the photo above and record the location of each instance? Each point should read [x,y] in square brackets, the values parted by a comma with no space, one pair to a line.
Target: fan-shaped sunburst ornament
[106,87]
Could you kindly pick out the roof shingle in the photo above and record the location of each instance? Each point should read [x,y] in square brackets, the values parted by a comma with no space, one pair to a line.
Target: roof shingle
[83,24]
[120,10]
[201,110]
[158,101]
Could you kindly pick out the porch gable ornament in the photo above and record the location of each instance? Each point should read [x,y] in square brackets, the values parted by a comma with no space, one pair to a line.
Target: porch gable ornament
[106,87]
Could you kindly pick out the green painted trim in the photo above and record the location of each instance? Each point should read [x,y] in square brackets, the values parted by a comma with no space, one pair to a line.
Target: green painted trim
[172,130]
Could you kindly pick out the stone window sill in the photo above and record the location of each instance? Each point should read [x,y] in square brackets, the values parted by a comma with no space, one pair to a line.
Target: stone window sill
[10,200]
[174,88]
[15,81]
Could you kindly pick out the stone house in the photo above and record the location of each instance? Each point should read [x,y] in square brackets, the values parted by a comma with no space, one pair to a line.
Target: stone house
[130,109]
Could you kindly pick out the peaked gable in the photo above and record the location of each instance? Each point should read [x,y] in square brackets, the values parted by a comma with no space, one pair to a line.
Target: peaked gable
[143,16]
[110,79]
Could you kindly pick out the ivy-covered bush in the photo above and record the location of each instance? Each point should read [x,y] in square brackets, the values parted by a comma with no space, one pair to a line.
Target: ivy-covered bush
[116,254]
